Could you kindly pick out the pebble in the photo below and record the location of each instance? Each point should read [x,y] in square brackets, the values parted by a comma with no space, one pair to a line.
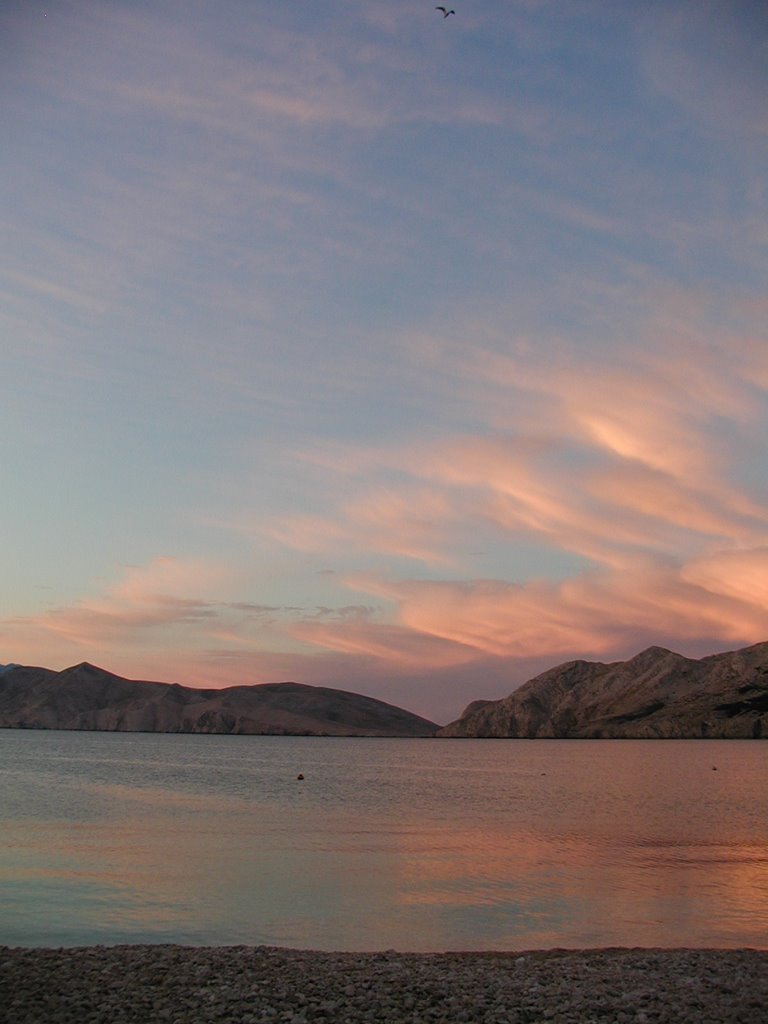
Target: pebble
[265,985]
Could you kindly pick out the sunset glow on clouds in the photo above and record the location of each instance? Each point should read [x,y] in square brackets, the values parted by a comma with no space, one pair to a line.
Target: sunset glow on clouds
[352,347]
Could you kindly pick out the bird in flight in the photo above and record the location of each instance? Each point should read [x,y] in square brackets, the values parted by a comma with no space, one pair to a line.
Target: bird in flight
[445,11]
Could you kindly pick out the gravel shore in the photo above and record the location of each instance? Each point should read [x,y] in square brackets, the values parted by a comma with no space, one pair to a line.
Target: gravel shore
[264,985]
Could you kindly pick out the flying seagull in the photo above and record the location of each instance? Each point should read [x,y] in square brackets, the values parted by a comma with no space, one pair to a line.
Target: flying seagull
[445,11]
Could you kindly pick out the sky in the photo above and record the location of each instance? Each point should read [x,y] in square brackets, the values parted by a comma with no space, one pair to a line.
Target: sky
[349,344]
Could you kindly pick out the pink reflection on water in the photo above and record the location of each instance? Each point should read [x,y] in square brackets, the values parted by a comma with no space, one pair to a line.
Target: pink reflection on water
[461,847]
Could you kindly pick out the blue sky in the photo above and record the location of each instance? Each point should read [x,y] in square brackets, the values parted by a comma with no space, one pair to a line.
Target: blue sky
[349,344]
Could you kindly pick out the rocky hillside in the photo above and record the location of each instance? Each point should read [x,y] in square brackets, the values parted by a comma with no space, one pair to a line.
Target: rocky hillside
[87,697]
[655,695]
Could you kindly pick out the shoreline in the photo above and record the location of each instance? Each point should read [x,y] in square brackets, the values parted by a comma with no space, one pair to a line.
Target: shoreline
[150,984]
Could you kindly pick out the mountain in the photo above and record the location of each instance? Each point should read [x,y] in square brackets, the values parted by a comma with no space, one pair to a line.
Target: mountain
[655,695]
[87,697]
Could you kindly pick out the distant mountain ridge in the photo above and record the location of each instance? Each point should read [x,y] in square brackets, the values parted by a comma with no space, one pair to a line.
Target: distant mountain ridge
[655,695]
[87,697]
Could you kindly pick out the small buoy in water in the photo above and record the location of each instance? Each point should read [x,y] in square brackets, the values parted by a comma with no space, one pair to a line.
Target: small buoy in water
[299,777]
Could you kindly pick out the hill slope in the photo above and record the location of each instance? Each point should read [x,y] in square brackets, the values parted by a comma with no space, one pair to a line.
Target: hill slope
[87,697]
[655,695]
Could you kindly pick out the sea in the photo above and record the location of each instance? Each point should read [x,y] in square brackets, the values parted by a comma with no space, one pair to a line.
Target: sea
[381,844]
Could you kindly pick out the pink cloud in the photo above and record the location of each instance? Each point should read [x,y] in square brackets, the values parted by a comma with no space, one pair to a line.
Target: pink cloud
[401,647]
[306,533]
[162,595]
[720,599]
[621,460]
[525,486]
[595,451]
[413,522]
[653,496]
[651,409]
[741,574]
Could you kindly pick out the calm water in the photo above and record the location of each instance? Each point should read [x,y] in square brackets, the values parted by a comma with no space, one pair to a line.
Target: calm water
[386,844]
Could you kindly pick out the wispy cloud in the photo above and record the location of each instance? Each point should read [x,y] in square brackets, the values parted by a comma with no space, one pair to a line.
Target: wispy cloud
[176,611]
[623,461]
[598,614]
[159,595]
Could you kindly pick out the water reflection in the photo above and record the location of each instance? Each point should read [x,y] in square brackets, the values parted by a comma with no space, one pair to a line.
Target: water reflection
[386,844]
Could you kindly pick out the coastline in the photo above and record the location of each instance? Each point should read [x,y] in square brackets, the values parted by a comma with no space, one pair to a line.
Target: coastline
[145,984]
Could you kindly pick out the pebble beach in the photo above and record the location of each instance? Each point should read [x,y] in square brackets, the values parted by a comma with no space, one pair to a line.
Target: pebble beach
[266,985]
